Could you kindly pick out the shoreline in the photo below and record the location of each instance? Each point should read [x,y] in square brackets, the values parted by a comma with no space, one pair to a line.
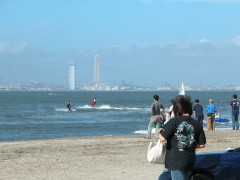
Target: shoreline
[136,133]
[92,157]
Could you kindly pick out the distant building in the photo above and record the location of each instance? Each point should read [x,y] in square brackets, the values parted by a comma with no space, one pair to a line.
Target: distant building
[164,88]
[72,76]
[97,76]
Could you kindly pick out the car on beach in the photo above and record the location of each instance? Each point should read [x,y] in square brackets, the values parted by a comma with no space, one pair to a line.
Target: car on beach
[224,165]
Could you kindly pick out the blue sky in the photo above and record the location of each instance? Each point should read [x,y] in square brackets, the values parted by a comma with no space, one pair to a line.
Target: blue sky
[157,41]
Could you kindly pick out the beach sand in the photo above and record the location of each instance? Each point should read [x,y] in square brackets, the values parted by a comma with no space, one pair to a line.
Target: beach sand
[113,158]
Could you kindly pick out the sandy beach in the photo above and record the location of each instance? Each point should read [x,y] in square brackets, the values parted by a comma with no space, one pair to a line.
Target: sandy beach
[118,157]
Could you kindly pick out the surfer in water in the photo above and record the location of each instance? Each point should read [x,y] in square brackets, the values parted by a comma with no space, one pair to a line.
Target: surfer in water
[94,101]
[69,105]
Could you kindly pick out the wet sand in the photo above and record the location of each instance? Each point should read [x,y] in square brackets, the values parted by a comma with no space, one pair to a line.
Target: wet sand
[113,158]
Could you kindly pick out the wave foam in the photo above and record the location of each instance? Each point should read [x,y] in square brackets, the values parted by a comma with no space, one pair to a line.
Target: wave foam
[143,131]
[107,107]
[63,109]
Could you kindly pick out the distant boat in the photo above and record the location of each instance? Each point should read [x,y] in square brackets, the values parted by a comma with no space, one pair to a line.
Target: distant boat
[182,90]
[219,119]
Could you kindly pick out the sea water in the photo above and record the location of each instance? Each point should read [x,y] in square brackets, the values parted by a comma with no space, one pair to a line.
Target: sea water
[43,115]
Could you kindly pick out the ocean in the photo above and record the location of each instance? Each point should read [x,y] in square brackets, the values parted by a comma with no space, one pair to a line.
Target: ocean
[43,115]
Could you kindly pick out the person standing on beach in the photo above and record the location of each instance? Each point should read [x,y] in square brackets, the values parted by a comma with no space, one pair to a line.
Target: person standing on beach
[234,104]
[183,135]
[156,116]
[211,109]
[198,111]
[171,113]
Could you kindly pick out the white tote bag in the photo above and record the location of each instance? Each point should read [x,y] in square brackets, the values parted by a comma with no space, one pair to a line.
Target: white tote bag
[156,152]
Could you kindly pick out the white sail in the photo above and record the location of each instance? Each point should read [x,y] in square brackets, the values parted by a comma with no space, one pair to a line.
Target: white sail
[182,90]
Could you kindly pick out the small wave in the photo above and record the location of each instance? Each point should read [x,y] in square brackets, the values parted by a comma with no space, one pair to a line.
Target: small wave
[104,107]
[205,129]
[224,123]
[85,107]
[127,108]
[143,131]
[133,109]
[54,94]
[118,108]
[95,107]
[107,106]
[64,110]
[60,109]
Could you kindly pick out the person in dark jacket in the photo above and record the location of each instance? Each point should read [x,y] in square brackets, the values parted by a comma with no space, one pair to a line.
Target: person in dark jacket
[69,106]
[234,104]
[198,111]
[183,135]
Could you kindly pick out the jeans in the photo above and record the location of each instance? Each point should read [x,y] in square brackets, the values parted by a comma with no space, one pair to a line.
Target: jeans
[165,175]
[180,175]
[235,122]
[200,119]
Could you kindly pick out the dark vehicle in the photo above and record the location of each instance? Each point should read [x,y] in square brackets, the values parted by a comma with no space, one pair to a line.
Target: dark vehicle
[223,165]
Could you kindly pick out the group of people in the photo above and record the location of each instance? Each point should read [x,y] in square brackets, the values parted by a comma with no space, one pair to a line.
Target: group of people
[212,112]
[183,133]
[199,115]
[69,105]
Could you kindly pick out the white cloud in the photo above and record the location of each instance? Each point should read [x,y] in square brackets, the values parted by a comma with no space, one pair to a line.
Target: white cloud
[204,41]
[236,41]
[13,49]
[19,48]
[4,47]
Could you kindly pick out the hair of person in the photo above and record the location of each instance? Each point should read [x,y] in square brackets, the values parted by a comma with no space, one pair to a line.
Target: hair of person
[196,100]
[156,97]
[183,105]
[234,96]
[173,101]
[210,100]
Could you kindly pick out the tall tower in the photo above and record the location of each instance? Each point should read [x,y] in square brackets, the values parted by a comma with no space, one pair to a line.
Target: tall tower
[72,76]
[7,75]
[97,77]
[131,79]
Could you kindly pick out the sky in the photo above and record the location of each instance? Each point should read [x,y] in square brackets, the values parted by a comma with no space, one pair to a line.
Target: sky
[147,42]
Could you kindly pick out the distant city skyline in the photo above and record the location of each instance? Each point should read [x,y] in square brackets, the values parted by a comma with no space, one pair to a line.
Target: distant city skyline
[141,42]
